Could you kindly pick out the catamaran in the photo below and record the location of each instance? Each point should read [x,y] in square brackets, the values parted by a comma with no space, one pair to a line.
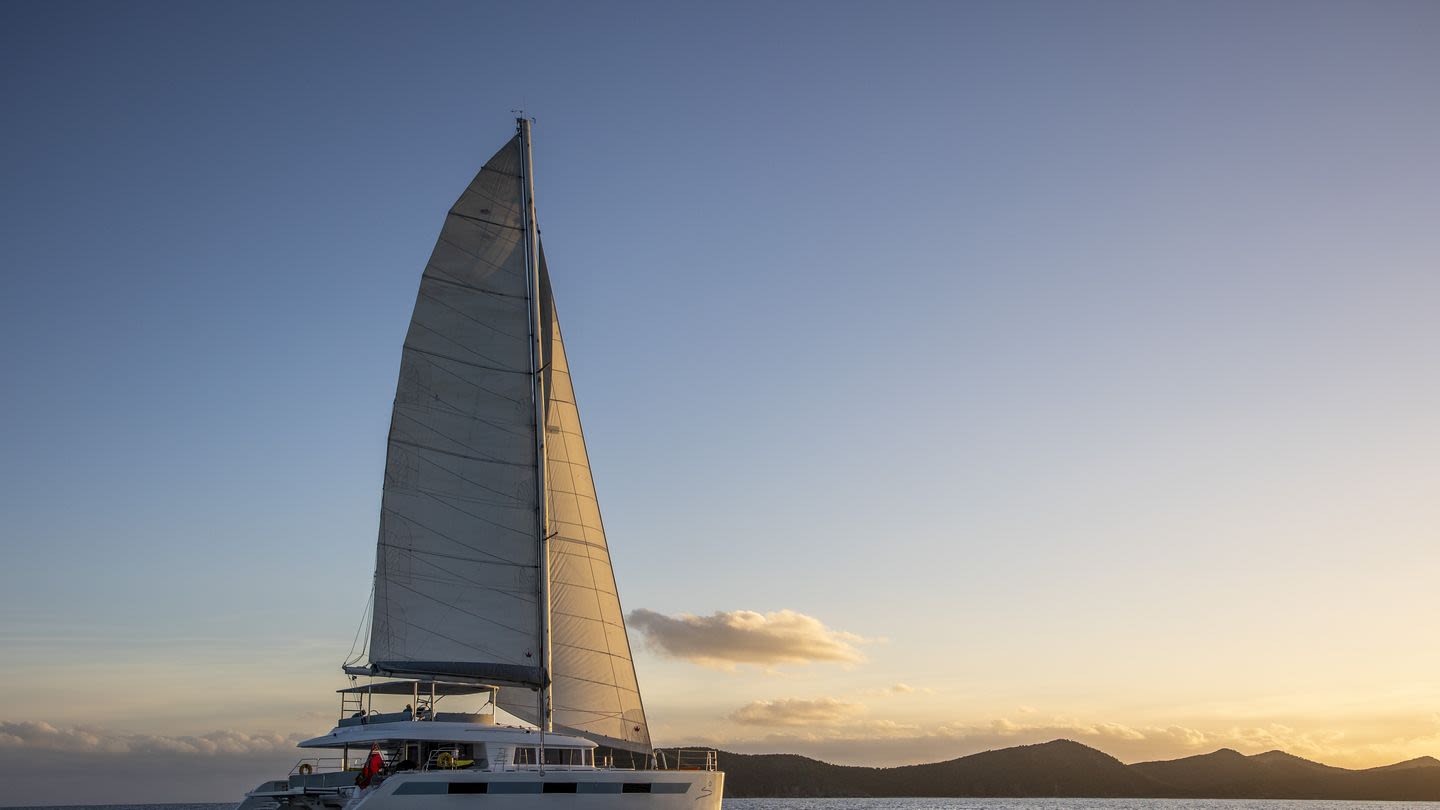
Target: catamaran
[493,590]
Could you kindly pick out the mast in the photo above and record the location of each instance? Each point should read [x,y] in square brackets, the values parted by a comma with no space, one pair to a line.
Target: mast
[537,369]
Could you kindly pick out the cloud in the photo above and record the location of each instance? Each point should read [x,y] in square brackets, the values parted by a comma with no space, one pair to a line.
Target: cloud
[902,689]
[38,764]
[726,638]
[39,736]
[796,712]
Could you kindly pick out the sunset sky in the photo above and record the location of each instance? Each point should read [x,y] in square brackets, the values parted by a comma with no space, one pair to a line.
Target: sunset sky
[955,375]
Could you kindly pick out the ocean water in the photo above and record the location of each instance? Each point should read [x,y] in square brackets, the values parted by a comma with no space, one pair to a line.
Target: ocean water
[1067,804]
[938,804]
[222,806]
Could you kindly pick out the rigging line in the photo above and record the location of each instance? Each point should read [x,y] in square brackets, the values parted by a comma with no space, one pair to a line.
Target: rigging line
[437,333]
[522,596]
[482,617]
[486,184]
[486,193]
[398,485]
[524,534]
[412,348]
[599,714]
[449,579]
[562,538]
[613,625]
[452,453]
[599,613]
[514,501]
[472,383]
[487,169]
[610,685]
[479,196]
[440,276]
[467,316]
[439,405]
[454,213]
[497,558]
[351,657]
[450,496]
[497,561]
[588,650]
[432,631]
[481,455]
[505,240]
[424,396]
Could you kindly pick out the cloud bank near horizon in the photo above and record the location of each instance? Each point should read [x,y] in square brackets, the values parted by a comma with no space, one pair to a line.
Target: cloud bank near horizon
[40,736]
[727,638]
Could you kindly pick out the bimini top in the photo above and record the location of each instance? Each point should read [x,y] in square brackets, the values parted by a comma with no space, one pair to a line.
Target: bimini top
[440,731]
[409,688]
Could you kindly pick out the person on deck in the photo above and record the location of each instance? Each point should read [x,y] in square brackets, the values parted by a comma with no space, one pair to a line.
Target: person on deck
[373,765]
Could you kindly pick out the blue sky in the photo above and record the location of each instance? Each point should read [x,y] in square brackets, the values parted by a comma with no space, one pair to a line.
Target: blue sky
[1013,338]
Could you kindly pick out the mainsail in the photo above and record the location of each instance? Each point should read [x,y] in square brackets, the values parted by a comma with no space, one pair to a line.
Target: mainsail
[458,569]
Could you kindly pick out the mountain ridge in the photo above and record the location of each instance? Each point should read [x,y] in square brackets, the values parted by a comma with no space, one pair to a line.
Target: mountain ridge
[1066,768]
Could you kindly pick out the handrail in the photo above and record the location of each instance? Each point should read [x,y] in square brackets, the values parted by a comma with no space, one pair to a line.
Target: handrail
[690,759]
[322,765]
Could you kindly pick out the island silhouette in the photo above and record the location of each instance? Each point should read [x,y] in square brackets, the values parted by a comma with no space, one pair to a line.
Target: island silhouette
[1065,768]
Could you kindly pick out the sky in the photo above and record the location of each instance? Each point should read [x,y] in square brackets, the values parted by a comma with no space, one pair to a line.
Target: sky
[955,375]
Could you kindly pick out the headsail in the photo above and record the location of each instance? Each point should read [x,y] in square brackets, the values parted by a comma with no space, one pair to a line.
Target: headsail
[456,571]
[457,574]
[595,691]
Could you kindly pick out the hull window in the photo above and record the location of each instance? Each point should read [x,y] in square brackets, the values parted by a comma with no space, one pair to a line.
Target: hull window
[559,787]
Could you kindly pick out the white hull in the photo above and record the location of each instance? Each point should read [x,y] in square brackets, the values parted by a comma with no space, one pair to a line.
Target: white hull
[556,790]
[590,789]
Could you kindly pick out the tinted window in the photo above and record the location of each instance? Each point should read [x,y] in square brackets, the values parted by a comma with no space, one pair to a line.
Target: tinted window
[469,787]
[559,787]
[564,756]
[635,787]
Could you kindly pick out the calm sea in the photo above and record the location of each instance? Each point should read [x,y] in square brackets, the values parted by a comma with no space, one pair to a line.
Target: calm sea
[1066,804]
[938,804]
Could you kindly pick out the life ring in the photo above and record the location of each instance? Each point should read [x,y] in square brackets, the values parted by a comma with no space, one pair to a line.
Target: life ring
[445,760]
[306,769]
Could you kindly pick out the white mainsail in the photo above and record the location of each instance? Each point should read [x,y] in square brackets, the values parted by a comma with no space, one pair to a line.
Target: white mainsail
[458,569]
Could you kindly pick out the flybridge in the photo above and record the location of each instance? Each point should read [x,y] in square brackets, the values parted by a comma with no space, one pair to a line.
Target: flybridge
[357,703]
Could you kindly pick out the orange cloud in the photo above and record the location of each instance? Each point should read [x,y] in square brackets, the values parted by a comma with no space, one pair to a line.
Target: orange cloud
[797,712]
[726,638]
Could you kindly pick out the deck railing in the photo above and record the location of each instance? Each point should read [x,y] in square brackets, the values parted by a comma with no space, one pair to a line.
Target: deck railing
[687,759]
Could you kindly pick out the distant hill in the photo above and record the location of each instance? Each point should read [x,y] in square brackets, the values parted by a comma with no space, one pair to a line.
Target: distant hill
[1068,768]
